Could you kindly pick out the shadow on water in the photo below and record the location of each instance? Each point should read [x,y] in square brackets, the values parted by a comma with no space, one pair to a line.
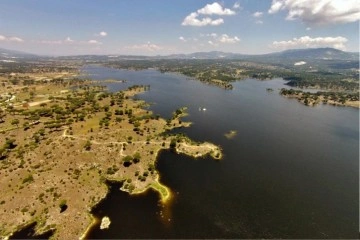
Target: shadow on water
[28,232]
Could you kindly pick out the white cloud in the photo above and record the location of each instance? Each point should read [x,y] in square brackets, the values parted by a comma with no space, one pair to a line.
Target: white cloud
[95,42]
[216,39]
[195,19]
[217,22]
[213,35]
[11,39]
[319,12]
[15,39]
[51,42]
[181,38]
[236,5]
[212,43]
[299,63]
[308,42]
[103,34]
[215,9]
[150,47]
[308,28]
[224,38]
[68,40]
[192,20]
[275,6]
[257,14]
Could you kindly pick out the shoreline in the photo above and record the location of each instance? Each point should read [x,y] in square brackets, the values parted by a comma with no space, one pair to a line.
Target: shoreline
[165,193]
[164,198]
[95,220]
[352,104]
[109,136]
[314,99]
[90,226]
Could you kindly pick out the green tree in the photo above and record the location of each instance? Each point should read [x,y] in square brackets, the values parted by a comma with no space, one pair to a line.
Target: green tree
[26,126]
[29,179]
[87,145]
[136,157]
[127,161]
[136,124]
[15,122]
[63,205]
[32,95]
[173,144]
[10,109]
[306,102]
[43,104]
[9,144]
[2,115]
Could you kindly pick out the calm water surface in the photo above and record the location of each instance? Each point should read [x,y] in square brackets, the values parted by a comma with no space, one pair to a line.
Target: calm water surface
[291,171]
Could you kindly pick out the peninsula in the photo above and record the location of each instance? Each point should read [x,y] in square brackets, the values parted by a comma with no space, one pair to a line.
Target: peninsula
[62,140]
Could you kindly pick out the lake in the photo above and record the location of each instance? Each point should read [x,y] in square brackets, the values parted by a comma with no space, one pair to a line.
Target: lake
[291,171]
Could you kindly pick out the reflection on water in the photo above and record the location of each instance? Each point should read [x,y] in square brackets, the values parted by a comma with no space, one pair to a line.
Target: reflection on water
[291,171]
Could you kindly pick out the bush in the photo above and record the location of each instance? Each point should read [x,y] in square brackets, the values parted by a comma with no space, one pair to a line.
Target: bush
[136,157]
[63,206]
[110,171]
[28,179]
[87,145]
[173,144]
[127,161]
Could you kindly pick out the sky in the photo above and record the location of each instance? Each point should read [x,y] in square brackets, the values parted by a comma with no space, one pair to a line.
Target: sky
[162,27]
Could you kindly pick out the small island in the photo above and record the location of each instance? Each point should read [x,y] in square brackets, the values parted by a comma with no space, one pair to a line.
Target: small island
[105,223]
[61,141]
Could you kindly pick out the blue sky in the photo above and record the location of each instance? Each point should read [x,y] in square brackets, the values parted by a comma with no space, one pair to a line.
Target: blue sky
[159,27]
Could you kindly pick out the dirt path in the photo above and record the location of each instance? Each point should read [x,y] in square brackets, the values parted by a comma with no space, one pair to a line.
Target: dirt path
[32,104]
[65,135]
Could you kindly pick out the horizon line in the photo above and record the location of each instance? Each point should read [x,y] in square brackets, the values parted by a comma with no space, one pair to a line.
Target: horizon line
[166,55]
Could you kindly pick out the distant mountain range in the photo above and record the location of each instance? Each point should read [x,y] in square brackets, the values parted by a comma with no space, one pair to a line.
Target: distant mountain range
[6,54]
[293,55]
[317,53]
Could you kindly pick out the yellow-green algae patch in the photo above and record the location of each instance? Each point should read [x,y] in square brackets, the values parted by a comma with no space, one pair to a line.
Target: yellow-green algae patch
[164,191]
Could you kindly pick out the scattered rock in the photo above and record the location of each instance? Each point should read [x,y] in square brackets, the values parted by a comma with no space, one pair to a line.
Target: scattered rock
[230,134]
